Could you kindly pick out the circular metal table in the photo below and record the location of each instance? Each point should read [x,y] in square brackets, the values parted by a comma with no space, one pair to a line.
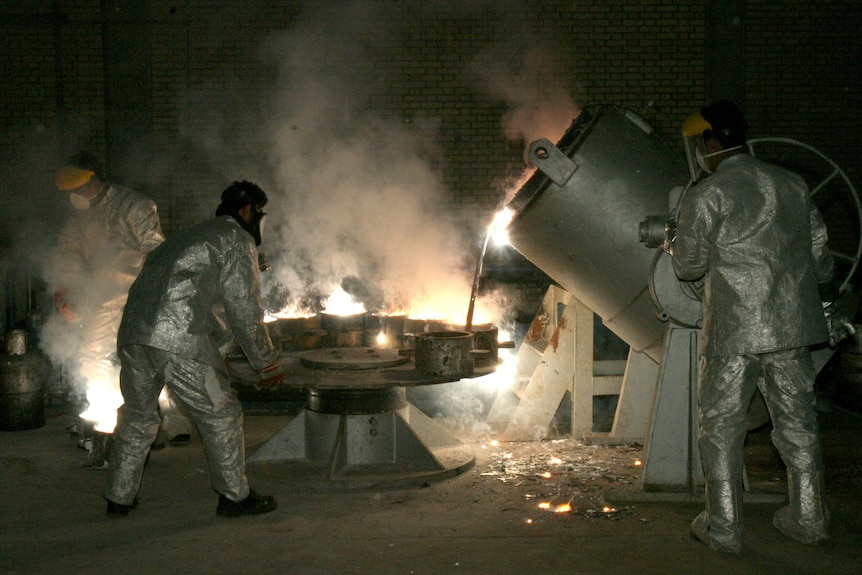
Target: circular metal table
[357,429]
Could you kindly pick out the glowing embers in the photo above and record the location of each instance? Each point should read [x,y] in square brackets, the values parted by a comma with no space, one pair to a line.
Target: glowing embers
[565,477]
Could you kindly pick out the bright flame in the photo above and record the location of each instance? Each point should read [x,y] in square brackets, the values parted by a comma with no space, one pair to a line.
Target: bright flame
[607,509]
[545,505]
[638,463]
[546,475]
[291,310]
[103,399]
[497,229]
[382,338]
[504,376]
[564,508]
[342,303]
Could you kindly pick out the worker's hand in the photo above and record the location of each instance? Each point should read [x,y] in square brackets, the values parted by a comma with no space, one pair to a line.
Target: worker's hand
[669,235]
[64,307]
[271,377]
[839,317]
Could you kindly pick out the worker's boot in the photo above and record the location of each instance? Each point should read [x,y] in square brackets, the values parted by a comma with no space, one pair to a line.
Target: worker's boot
[254,504]
[115,509]
[720,525]
[805,518]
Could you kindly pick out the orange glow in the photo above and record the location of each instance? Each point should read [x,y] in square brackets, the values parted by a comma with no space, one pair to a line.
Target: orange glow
[545,505]
[563,508]
[342,303]
[288,312]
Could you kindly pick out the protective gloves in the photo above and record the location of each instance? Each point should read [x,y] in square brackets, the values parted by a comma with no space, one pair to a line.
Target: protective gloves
[64,307]
[271,377]
[669,235]
[839,317]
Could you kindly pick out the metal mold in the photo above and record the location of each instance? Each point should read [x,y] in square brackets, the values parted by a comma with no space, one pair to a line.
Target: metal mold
[445,353]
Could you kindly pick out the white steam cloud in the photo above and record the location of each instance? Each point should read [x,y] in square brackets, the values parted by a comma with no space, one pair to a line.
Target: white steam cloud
[361,202]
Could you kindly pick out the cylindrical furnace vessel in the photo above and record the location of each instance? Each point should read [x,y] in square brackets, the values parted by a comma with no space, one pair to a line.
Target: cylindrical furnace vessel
[577,217]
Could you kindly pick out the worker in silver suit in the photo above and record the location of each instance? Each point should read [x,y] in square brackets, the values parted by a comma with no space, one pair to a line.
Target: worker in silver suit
[752,231]
[192,288]
[100,253]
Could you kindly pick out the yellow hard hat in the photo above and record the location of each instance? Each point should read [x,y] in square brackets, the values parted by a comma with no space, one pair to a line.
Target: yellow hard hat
[70,177]
[695,125]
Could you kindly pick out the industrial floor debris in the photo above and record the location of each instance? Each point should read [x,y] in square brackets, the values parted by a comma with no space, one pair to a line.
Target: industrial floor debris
[554,506]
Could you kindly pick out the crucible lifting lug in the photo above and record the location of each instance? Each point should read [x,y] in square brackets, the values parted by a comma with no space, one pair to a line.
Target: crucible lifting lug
[548,158]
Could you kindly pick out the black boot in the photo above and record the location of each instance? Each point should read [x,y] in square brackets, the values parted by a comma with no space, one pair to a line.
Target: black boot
[120,510]
[254,504]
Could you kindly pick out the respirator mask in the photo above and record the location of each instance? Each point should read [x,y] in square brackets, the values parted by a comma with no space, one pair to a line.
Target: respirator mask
[255,226]
[701,158]
[79,202]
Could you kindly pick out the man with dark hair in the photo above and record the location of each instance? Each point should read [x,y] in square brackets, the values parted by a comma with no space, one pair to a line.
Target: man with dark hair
[752,230]
[193,289]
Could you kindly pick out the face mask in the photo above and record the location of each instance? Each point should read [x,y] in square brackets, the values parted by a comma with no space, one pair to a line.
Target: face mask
[254,227]
[701,159]
[79,202]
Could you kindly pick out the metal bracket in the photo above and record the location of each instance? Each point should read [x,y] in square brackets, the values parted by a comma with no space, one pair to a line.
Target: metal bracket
[546,157]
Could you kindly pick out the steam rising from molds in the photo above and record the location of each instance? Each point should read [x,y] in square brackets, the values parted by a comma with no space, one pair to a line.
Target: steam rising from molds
[360,201]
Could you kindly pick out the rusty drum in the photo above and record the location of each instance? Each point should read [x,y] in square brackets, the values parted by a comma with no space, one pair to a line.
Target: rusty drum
[444,353]
[21,381]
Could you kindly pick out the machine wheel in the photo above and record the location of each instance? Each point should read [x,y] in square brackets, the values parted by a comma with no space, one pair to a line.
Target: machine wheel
[833,193]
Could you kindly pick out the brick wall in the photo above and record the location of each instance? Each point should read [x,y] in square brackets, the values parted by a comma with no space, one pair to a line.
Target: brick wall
[451,68]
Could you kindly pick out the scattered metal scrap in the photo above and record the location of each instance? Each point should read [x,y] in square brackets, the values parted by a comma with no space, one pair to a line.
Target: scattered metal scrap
[566,475]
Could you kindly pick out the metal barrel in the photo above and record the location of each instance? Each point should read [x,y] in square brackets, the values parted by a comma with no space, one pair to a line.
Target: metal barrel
[21,385]
[577,218]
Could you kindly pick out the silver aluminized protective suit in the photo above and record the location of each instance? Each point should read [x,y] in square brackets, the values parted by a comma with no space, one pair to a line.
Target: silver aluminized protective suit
[755,233]
[100,253]
[169,336]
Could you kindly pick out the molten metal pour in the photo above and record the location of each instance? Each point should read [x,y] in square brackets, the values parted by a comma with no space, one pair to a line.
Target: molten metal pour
[497,227]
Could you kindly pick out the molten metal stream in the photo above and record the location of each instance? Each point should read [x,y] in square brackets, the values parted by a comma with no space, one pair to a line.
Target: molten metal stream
[468,325]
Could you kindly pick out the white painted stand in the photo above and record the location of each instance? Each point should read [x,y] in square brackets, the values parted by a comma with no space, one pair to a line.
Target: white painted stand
[557,357]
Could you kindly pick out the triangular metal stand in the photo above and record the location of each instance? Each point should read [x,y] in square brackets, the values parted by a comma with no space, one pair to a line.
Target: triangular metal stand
[555,358]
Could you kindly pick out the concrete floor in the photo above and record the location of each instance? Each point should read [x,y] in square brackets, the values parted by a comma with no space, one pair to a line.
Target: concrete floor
[484,521]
